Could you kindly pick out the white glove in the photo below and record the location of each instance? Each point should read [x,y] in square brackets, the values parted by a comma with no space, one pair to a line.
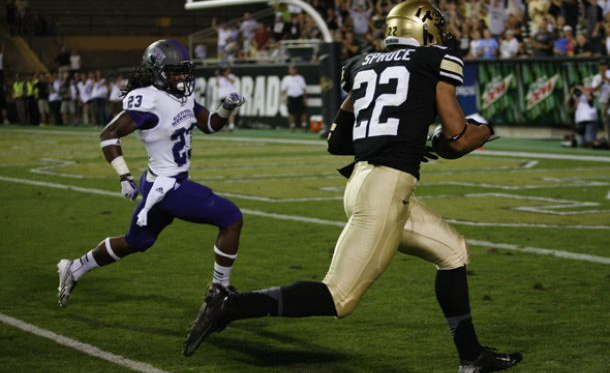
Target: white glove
[233,101]
[129,188]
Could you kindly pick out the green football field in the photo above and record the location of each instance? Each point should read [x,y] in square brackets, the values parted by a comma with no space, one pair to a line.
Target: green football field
[537,218]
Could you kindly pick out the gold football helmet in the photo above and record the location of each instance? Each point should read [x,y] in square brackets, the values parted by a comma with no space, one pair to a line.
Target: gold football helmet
[414,22]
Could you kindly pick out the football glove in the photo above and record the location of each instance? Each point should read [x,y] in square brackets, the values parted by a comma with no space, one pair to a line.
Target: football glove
[428,154]
[129,188]
[233,101]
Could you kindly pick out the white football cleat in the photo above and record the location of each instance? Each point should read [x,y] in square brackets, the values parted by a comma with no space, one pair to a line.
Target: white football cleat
[66,282]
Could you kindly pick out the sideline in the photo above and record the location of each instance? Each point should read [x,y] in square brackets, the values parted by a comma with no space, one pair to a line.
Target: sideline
[88,349]
[501,246]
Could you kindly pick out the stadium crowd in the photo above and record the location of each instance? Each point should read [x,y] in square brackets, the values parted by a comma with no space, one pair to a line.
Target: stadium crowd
[484,28]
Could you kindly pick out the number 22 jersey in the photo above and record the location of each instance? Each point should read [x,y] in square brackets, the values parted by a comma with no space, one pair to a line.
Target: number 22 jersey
[394,97]
[165,124]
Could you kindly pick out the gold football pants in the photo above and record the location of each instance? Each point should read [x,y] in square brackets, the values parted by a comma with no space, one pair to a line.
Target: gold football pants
[382,216]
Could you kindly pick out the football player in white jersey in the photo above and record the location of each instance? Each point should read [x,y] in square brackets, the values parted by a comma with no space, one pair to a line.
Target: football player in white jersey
[159,105]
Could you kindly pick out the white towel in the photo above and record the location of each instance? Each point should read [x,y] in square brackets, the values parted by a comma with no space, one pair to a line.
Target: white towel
[160,187]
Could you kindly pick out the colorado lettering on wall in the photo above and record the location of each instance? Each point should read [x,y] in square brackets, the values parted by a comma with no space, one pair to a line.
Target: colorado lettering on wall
[261,86]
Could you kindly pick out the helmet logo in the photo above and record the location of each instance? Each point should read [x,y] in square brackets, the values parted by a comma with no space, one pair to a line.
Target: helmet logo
[437,19]
[157,56]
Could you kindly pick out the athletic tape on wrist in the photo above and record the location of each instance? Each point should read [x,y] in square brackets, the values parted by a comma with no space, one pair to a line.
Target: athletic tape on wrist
[228,256]
[110,142]
[223,112]
[120,166]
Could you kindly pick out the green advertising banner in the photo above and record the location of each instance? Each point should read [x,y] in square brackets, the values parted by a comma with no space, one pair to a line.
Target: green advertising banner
[497,87]
[531,93]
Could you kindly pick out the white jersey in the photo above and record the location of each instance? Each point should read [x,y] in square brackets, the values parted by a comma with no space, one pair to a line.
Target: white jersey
[164,124]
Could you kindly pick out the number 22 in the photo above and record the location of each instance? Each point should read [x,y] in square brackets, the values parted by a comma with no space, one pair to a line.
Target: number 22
[374,126]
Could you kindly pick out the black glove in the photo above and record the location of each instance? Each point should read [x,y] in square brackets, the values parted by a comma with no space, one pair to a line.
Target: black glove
[428,154]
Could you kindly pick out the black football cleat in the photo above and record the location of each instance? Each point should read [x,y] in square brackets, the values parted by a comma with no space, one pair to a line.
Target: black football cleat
[210,319]
[490,361]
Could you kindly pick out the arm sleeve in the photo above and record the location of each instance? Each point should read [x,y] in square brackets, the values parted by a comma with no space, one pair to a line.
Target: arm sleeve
[451,69]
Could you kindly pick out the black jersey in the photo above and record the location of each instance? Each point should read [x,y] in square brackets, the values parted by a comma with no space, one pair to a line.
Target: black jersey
[394,96]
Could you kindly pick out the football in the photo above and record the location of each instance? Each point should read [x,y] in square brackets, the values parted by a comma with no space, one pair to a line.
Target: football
[441,145]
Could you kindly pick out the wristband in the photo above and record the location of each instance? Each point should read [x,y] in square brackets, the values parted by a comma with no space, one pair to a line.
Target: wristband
[120,166]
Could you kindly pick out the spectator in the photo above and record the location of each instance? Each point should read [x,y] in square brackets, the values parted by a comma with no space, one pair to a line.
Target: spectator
[55,99]
[224,33]
[84,87]
[62,60]
[542,41]
[294,29]
[489,45]
[19,96]
[564,45]
[75,62]
[583,48]
[360,18]
[349,47]
[279,27]
[601,85]
[68,95]
[571,12]
[231,51]
[294,89]
[497,16]
[476,50]
[509,47]
[116,97]
[201,52]
[332,20]
[248,29]
[41,93]
[262,36]
[463,37]
[99,96]
[31,108]
[585,116]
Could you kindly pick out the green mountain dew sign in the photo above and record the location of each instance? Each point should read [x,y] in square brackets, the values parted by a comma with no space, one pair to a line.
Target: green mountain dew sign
[530,92]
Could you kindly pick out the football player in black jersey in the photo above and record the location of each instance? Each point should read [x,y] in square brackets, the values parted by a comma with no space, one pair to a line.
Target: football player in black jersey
[393,97]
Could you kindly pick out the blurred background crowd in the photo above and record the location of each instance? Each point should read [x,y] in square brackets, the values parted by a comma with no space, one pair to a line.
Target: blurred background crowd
[74,89]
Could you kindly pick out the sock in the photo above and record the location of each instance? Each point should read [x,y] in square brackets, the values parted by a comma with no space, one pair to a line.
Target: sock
[222,275]
[452,295]
[83,265]
[304,298]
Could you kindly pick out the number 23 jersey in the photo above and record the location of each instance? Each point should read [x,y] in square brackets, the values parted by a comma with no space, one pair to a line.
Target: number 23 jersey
[165,124]
[394,97]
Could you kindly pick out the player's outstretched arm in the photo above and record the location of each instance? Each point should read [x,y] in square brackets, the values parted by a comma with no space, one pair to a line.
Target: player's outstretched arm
[459,136]
[120,126]
[210,123]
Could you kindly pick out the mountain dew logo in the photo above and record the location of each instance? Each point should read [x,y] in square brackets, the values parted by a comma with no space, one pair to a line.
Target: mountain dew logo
[542,88]
[495,90]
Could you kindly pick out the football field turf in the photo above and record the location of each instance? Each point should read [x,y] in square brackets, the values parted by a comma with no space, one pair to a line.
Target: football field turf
[537,218]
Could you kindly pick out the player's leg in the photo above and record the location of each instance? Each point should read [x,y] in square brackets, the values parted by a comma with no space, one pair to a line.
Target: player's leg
[199,204]
[375,201]
[428,236]
[112,249]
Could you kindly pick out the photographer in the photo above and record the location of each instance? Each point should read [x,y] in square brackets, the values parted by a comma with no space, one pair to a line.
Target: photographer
[585,116]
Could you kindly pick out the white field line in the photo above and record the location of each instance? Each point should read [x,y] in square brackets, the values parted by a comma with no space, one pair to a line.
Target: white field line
[540,251]
[80,346]
[608,196]
[530,164]
[562,254]
[510,154]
